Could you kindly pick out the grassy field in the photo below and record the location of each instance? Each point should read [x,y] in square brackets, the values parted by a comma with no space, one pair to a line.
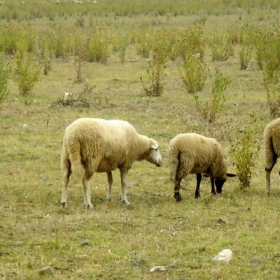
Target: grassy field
[113,242]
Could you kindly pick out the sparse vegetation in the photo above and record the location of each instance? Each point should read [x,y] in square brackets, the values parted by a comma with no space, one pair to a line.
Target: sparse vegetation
[114,41]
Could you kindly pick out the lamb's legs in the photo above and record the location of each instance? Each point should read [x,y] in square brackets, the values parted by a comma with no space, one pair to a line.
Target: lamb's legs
[268,172]
[87,199]
[123,181]
[197,190]
[213,191]
[65,180]
[110,182]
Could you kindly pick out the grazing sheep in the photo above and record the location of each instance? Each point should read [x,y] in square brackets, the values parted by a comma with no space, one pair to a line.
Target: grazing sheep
[97,145]
[272,148]
[191,153]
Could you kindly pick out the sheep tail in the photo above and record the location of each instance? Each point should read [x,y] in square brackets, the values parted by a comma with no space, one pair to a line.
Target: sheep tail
[270,154]
[174,164]
[75,159]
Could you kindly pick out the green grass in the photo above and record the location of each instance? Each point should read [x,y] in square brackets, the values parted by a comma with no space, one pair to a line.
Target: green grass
[112,241]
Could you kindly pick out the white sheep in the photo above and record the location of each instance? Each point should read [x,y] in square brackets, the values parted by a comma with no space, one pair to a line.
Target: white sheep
[96,145]
[272,148]
[191,153]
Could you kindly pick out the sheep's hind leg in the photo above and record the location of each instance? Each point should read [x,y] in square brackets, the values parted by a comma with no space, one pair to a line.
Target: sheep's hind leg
[87,199]
[65,181]
[271,159]
[268,172]
[213,191]
[197,190]
[123,182]
[177,194]
[110,182]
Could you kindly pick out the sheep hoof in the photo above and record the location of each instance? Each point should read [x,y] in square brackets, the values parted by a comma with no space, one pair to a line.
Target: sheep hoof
[177,196]
[63,205]
[197,195]
[88,207]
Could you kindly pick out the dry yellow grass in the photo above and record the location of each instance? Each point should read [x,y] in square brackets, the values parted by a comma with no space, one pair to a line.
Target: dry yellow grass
[113,242]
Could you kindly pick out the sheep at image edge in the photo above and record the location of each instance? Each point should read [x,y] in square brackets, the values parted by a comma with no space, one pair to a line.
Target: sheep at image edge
[96,145]
[191,153]
[272,148]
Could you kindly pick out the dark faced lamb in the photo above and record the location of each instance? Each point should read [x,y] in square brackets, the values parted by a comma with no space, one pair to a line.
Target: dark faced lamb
[191,153]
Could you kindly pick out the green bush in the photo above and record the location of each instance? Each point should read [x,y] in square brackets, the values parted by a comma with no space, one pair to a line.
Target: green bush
[273,98]
[194,74]
[96,48]
[156,71]
[222,48]
[27,72]
[188,43]
[244,150]
[210,110]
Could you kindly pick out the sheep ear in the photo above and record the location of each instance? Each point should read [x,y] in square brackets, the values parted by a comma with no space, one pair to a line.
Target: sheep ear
[231,175]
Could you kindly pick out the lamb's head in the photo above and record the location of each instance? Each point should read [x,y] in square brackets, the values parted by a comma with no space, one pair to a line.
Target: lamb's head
[219,183]
[153,154]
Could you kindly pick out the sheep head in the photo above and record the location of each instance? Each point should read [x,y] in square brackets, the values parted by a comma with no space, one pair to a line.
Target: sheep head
[153,155]
[220,182]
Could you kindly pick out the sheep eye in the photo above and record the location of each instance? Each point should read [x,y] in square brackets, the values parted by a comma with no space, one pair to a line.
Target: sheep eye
[154,149]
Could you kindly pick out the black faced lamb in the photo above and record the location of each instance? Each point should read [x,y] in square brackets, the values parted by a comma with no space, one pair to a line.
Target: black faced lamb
[191,153]
[96,145]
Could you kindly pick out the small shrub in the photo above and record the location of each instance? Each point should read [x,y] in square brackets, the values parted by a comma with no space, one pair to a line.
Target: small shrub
[4,75]
[122,51]
[188,43]
[78,65]
[80,22]
[273,98]
[244,150]
[97,47]
[46,65]
[267,46]
[210,111]
[222,48]
[245,55]
[143,42]
[156,72]
[194,74]
[26,73]
[81,99]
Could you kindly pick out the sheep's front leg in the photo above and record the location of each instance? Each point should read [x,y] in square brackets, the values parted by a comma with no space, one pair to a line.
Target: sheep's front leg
[110,182]
[87,199]
[65,181]
[198,181]
[123,182]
